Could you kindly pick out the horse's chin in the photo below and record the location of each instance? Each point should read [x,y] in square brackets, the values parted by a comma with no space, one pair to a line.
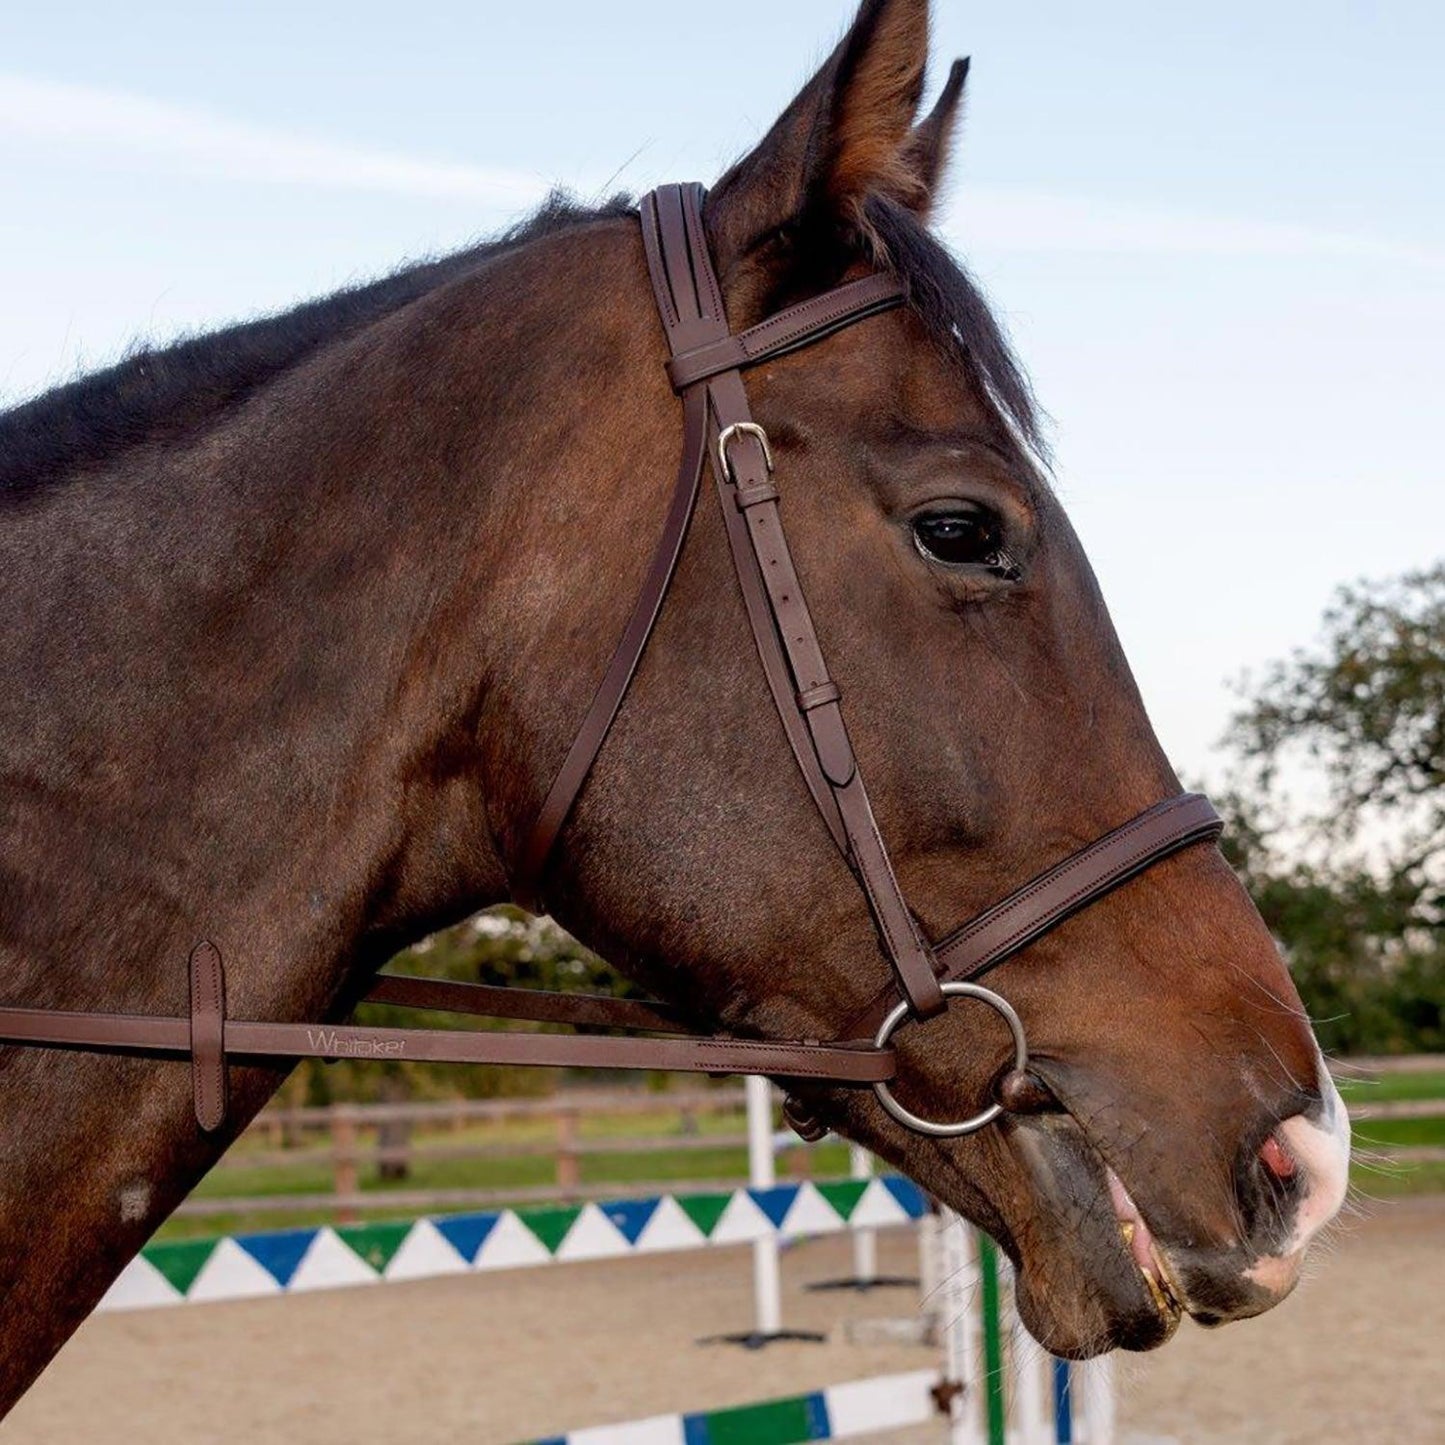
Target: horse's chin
[1090,1275]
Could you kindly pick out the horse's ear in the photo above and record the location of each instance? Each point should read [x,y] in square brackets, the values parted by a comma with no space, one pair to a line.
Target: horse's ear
[927,152]
[845,136]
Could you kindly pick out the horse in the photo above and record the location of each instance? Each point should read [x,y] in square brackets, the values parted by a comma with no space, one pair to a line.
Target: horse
[300,619]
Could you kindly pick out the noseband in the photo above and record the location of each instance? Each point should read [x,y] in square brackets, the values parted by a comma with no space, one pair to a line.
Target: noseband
[705,367]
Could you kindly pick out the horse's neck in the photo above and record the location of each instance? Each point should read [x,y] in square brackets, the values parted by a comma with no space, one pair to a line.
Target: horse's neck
[229,723]
[255,701]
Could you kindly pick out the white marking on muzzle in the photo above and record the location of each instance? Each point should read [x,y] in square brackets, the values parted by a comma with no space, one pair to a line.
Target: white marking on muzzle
[1321,1150]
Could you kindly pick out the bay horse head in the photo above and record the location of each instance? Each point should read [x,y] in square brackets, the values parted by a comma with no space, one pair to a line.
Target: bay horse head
[302,620]
[1176,1140]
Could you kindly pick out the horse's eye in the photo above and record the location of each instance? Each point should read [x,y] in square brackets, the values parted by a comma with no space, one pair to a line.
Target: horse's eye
[961,537]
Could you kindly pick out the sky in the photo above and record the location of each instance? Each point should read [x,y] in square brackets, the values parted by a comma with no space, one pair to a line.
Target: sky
[1216,235]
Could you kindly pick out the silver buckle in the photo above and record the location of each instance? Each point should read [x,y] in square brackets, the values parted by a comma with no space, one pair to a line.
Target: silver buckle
[730,433]
[902,1012]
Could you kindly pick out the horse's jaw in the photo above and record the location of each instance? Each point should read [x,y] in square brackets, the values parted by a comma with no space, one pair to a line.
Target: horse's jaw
[1110,1254]
[1089,1277]
[1086,1282]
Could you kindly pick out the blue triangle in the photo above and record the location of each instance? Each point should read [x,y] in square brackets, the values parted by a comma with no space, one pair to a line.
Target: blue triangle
[775,1202]
[630,1216]
[466,1233]
[278,1251]
[908,1195]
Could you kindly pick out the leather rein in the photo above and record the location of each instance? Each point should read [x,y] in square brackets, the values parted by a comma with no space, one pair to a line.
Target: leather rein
[705,367]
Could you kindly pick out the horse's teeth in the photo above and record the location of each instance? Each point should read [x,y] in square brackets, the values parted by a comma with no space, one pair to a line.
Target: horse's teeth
[1126,1231]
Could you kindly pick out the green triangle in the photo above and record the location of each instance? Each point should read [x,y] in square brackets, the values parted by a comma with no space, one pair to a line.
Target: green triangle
[376,1243]
[180,1260]
[843,1194]
[550,1225]
[704,1209]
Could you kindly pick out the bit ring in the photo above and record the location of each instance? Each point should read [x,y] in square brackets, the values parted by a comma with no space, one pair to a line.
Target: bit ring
[901,1013]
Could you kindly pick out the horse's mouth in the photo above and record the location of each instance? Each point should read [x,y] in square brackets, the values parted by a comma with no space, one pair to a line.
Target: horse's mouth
[1146,1255]
[1092,1274]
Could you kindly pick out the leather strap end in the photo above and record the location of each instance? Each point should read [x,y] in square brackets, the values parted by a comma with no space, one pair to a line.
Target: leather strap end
[208,1023]
[830,737]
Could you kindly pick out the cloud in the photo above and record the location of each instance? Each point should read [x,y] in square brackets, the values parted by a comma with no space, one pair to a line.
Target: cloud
[95,120]
[1022,220]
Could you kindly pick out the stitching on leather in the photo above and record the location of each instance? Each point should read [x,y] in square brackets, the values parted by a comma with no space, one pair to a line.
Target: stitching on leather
[1064,904]
[770,652]
[803,323]
[679,272]
[654,253]
[790,1068]
[700,259]
[777,334]
[213,986]
[895,953]
[674,318]
[1201,832]
[1054,875]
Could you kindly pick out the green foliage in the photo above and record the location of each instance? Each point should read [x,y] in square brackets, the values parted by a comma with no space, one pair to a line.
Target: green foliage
[1360,914]
[501,946]
[1368,707]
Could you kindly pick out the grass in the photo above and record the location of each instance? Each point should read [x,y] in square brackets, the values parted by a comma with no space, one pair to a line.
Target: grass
[1402,1132]
[724,1164]
[1373,1176]
[1381,1179]
[1387,1088]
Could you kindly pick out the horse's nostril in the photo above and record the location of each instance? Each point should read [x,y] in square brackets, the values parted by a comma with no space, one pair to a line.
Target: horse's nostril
[1022,1092]
[1277,1159]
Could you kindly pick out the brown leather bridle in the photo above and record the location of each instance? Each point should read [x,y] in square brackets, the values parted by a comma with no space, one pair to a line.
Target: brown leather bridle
[705,366]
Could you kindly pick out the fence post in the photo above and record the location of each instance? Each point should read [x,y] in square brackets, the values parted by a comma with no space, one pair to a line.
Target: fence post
[344,1178]
[569,1173]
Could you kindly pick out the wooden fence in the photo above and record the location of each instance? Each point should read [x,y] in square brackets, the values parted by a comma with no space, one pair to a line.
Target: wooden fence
[347,1138]
[352,1136]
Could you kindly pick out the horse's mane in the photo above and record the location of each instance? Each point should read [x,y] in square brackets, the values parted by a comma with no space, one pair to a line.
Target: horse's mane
[154,395]
[159,395]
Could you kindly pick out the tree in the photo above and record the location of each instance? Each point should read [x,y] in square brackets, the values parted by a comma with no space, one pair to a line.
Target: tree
[1359,911]
[1367,708]
[500,946]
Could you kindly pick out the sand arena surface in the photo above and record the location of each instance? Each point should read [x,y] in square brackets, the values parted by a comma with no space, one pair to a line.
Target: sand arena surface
[1358,1355]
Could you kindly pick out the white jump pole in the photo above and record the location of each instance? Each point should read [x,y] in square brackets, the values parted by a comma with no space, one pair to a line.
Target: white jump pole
[763,1174]
[1030,1380]
[865,1241]
[1096,1395]
[958,1291]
